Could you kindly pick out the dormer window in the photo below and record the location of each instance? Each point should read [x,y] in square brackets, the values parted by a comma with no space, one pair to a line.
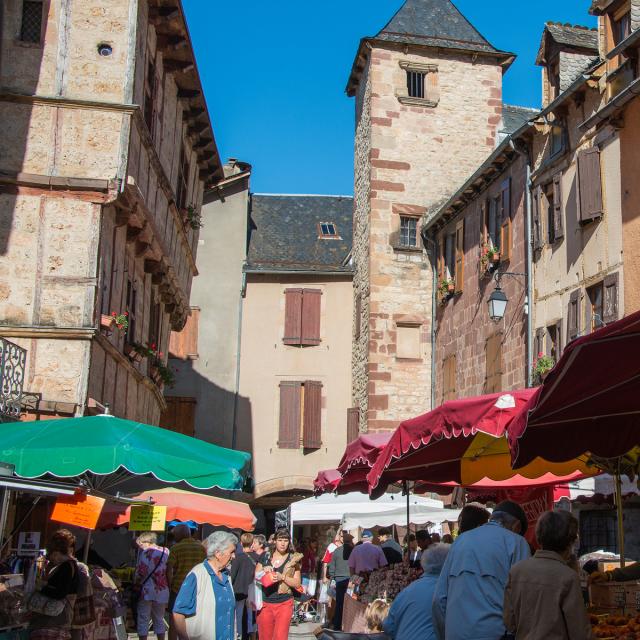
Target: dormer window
[328,230]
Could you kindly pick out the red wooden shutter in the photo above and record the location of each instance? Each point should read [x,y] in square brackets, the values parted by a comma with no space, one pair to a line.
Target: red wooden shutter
[590,184]
[537,220]
[558,209]
[312,425]
[289,431]
[610,301]
[573,315]
[311,316]
[353,424]
[293,316]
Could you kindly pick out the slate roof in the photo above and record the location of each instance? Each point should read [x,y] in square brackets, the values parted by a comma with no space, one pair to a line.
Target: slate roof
[284,233]
[434,23]
[513,117]
[569,35]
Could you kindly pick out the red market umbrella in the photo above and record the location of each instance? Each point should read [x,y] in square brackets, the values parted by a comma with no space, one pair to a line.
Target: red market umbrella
[185,506]
[327,481]
[463,442]
[588,407]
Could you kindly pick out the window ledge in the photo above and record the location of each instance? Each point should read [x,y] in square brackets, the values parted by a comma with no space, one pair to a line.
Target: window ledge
[417,102]
[407,248]
[398,359]
[28,45]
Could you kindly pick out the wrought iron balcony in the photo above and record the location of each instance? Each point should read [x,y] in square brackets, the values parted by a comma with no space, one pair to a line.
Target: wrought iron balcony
[12,365]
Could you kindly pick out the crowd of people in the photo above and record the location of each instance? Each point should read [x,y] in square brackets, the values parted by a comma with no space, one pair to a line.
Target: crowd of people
[486,586]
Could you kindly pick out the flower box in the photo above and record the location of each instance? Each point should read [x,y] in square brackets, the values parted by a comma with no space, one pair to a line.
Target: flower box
[107,323]
[131,352]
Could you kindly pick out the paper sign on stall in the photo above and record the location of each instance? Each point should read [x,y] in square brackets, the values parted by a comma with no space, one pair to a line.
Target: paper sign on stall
[147,518]
[80,511]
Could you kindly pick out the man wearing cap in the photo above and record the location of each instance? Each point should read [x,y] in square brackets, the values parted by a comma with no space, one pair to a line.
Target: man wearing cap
[469,596]
[366,557]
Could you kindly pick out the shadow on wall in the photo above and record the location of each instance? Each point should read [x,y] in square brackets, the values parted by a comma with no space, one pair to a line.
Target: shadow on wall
[21,52]
[199,407]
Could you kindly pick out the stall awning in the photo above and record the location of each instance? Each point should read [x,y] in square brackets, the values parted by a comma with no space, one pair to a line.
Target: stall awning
[419,515]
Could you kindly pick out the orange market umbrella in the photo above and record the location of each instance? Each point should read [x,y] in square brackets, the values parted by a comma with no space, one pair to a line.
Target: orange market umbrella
[187,505]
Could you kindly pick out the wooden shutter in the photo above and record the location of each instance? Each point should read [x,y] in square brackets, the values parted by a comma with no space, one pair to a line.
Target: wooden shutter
[311,316]
[353,424]
[312,424]
[293,316]
[590,185]
[358,314]
[440,265]
[539,344]
[537,220]
[180,415]
[505,219]
[484,213]
[573,315]
[610,299]
[558,209]
[459,248]
[290,404]
[559,341]
[449,378]
[493,357]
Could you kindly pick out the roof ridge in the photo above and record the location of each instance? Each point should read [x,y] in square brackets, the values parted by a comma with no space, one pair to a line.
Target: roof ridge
[571,26]
[302,195]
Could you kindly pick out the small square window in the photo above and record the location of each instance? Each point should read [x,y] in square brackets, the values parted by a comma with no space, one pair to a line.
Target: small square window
[415,84]
[31,26]
[328,230]
[408,232]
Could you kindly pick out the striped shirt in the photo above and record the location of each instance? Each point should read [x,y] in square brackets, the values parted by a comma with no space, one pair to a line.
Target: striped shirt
[183,556]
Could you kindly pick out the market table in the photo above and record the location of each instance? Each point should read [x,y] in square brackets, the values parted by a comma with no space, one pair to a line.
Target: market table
[353,620]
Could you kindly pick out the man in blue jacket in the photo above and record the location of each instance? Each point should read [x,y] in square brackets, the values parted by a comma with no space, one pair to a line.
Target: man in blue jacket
[469,596]
[409,618]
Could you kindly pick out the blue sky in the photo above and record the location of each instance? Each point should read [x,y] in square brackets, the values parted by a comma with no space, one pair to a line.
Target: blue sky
[274,73]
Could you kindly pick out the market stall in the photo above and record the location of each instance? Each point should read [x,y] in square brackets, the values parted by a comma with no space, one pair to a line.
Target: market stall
[419,515]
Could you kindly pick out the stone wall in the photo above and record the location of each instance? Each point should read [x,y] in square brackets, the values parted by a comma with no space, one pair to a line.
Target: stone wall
[417,155]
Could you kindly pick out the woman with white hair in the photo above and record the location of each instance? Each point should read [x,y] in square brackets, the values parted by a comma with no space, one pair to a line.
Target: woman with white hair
[205,606]
[409,617]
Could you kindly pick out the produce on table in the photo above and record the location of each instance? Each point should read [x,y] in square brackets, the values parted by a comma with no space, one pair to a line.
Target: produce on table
[614,626]
[388,582]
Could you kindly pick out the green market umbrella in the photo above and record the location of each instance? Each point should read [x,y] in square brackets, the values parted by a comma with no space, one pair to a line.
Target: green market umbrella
[106,450]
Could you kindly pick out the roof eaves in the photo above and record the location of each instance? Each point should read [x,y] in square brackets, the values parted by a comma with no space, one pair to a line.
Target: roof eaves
[617,103]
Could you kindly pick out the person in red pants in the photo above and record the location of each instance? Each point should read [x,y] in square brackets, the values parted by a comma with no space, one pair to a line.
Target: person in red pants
[281,578]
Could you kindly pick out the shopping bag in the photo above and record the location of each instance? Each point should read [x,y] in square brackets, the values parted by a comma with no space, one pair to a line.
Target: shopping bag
[323,598]
[254,597]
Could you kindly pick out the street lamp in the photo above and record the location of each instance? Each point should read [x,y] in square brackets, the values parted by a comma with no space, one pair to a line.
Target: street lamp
[497,304]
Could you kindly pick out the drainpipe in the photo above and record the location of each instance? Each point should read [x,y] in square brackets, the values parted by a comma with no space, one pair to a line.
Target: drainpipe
[234,426]
[529,257]
[426,240]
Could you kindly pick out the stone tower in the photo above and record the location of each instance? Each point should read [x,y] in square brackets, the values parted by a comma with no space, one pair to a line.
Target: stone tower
[428,91]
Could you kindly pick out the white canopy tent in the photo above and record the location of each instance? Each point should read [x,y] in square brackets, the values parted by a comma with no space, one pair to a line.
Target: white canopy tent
[332,508]
[419,515]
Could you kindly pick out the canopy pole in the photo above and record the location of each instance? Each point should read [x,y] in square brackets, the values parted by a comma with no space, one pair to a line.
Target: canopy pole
[406,490]
[87,544]
[618,494]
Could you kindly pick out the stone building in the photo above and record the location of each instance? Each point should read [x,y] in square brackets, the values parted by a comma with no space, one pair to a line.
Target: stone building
[295,353]
[576,207]
[428,103]
[106,149]
[480,232]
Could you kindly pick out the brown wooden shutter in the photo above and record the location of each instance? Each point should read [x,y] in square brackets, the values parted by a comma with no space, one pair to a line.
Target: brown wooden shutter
[459,247]
[311,316]
[559,340]
[590,185]
[290,404]
[537,219]
[449,378]
[558,209]
[293,317]
[180,415]
[610,298]
[505,219]
[358,314]
[440,258]
[312,424]
[484,212]
[353,424]
[573,315]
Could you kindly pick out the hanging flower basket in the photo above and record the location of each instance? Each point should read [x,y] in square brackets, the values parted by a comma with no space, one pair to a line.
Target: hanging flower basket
[541,368]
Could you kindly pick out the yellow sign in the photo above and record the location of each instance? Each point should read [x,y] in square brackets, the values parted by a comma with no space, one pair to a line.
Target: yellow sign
[79,510]
[147,518]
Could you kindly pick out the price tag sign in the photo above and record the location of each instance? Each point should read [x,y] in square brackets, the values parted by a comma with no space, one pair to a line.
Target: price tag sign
[147,518]
[79,511]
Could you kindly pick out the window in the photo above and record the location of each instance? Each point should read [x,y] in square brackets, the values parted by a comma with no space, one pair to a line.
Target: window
[554,340]
[449,378]
[353,424]
[590,185]
[300,413]
[598,530]
[548,194]
[492,236]
[537,219]
[621,27]
[558,133]
[328,230]
[182,192]
[504,204]
[459,266]
[595,296]
[610,310]
[493,364]
[154,322]
[149,95]
[408,231]
[573,315]
[415,84]
[302,317]
[184,344]
[131,309]
[408,342]
[450,256]
[31,25]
